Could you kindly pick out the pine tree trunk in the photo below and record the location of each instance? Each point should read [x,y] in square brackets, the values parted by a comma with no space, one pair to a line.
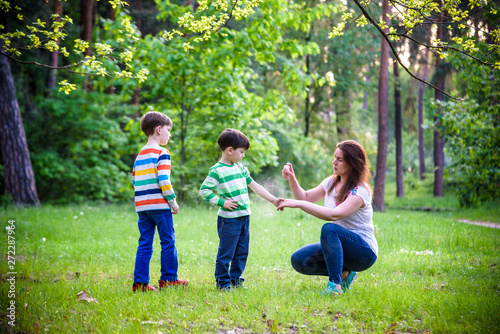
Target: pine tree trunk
[86,12]
[440,81]
[421,150]
[400,191]
[378,194]
[343,117]
[307,112]
[18,172]
[54,56]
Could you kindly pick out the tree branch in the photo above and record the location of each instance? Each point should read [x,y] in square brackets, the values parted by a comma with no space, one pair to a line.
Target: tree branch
[444,47]
[230,16]
[66,68]
[384,35]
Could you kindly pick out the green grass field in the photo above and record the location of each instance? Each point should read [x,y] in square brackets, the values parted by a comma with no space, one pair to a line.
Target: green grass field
[433,274]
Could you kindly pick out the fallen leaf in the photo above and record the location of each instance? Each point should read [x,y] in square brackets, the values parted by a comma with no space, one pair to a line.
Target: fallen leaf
[83,295]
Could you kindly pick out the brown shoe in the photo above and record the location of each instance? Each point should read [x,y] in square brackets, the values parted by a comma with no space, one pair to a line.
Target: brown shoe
[142,287]
[168,284]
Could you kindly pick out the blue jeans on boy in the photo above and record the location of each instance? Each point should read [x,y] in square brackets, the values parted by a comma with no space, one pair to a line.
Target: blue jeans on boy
[234,240]
[148,221]
[339,250]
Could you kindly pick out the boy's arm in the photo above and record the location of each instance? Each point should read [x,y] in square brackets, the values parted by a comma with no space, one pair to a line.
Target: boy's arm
[207,193]
[163,167]
[262,192]
[207,190]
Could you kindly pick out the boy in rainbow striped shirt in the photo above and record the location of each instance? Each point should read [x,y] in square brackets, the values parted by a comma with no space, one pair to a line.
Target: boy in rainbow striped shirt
[155,202]
[226,186]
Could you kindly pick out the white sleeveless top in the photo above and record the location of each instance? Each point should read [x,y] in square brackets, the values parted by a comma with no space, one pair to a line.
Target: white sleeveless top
[361,221]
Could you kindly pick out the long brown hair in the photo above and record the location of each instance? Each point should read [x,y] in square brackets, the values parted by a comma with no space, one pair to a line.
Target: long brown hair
[355,156]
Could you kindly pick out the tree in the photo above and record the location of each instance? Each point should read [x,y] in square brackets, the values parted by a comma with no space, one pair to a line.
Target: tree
[410,15]
[421,148]
[54,55]
[34,35]
[18,174]
[440,83]
[400,192]
[379,192]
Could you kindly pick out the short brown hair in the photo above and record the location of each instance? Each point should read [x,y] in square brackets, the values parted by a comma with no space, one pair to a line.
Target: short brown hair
[153,119]
[233,138]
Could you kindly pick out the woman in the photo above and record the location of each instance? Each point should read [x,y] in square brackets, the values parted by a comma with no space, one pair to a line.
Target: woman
[348,244]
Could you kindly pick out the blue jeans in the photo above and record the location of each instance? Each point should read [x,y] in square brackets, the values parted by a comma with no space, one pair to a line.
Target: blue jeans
[339,250]
[234,240]
[148,221]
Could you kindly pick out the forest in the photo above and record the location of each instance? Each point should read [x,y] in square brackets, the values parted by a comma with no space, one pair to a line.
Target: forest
[415,82]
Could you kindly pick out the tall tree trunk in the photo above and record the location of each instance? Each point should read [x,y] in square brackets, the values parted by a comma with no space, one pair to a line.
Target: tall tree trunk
[112,17]
[307,111]
[343,117]
[54,56]
[86,12]
[383,83]
[18,172]
[365,93]
[440,82]
[421,150]
[400,191]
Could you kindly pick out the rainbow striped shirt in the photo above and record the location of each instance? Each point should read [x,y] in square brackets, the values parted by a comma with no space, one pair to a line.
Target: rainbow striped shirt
[151,180]
[231,182]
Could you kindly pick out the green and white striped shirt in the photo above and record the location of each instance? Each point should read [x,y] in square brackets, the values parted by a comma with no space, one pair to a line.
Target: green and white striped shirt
[228,182]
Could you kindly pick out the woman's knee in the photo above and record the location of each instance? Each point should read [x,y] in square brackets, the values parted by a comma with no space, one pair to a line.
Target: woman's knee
[297,262]
[328,230]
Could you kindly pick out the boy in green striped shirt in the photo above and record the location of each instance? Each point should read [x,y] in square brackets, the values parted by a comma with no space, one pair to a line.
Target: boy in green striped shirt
[226,186]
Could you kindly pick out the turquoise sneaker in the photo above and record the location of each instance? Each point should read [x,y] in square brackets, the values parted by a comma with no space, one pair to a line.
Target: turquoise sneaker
[331,289]
[346,282]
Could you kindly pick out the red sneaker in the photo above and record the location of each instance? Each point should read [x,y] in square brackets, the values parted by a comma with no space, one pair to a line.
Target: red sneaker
[167,284]
[142,287]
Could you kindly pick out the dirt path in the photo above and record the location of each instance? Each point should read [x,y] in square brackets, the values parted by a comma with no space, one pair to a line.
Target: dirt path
[487,224]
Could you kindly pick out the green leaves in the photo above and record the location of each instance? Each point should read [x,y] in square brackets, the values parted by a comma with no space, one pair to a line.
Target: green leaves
[473,142]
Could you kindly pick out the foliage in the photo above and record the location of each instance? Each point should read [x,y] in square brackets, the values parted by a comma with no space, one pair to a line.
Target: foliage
[473,141]
[473,132]
[429,263]
[458,21]
[78,148]
[47,33]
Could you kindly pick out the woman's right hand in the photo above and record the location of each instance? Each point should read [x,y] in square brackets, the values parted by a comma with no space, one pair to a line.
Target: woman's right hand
[287,203]
[288,171]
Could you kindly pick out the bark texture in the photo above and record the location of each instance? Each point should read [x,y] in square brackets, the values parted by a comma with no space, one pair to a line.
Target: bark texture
[400,190]
[378,194]
[18,172]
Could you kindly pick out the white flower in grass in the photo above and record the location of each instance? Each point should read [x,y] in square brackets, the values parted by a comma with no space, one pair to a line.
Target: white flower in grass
[75,217]
[298,224]
[425,252]
[81,213]
[43,239]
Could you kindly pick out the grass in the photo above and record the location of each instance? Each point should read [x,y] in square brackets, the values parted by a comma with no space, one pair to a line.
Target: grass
[434,274]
